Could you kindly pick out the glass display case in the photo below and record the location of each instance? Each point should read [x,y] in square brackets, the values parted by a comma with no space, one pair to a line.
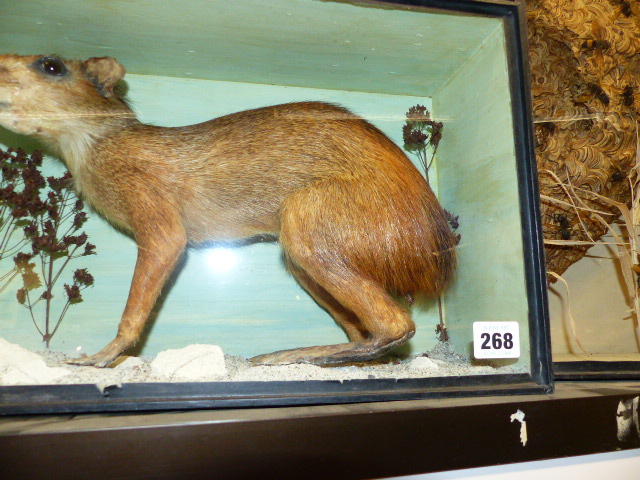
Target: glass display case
[463,61]
[593,324]
[587,156]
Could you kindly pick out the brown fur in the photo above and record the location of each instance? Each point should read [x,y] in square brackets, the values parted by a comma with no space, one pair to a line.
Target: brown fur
[356,220]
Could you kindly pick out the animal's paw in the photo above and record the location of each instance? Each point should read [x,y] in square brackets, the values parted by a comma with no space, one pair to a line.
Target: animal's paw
[104,357]
[96,360]
[329,355]
[283,357]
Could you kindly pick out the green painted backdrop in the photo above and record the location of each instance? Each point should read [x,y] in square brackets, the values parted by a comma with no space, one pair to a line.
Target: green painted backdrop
[192,60]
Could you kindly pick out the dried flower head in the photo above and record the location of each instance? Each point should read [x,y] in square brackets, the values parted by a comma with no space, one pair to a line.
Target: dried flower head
[420,133]
[73,293]
[83,277]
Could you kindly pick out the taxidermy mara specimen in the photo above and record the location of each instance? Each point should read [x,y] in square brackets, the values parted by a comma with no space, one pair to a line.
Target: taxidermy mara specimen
[357,222]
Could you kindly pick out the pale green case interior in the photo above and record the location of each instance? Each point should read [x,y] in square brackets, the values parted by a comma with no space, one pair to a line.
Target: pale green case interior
[217,57]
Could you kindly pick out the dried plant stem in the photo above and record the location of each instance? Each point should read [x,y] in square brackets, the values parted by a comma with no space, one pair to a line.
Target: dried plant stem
[49,297]
[33,318]
[7,278]
[8,228]
[421,134]
[571,197]
[626,251]
[51,275]
[572,322]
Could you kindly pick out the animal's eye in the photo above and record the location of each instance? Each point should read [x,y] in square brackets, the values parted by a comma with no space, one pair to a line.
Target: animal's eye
[51,66]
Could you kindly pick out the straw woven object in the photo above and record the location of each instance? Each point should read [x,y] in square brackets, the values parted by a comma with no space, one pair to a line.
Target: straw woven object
[585,65]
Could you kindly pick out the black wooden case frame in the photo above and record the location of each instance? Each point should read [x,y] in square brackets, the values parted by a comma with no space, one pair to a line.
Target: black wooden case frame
[56,399]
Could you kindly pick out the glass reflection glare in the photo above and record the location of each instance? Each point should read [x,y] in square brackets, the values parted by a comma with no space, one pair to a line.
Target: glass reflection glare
[221,259]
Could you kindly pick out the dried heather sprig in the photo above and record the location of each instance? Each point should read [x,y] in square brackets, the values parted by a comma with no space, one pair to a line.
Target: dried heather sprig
[50,217]
[420,133]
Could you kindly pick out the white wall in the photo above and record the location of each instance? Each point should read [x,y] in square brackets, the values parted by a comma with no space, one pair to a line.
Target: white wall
[624,465]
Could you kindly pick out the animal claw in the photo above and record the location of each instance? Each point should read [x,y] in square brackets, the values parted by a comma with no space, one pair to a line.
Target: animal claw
[104,357]
[96,360]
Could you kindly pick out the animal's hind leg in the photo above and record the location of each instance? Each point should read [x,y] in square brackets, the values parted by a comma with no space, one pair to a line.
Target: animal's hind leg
[349,322]
[383,324]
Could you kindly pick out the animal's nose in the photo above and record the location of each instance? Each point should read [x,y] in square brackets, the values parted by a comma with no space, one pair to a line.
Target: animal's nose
[5,77]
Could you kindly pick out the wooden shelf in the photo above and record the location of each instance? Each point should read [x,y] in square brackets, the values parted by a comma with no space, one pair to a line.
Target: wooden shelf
[369,440]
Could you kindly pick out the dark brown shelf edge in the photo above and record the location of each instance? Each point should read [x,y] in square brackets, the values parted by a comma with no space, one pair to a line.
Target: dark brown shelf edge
[372,440]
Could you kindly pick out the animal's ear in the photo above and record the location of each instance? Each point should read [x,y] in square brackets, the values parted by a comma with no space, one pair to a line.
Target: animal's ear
[104,73]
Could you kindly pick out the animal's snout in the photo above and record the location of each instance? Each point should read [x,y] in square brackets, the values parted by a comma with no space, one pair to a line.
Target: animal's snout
[5,77]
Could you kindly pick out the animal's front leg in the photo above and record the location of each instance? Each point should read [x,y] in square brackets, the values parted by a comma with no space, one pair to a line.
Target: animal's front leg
[158,253]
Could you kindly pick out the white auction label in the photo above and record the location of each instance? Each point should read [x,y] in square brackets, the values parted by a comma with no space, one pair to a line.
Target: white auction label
[496,340]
